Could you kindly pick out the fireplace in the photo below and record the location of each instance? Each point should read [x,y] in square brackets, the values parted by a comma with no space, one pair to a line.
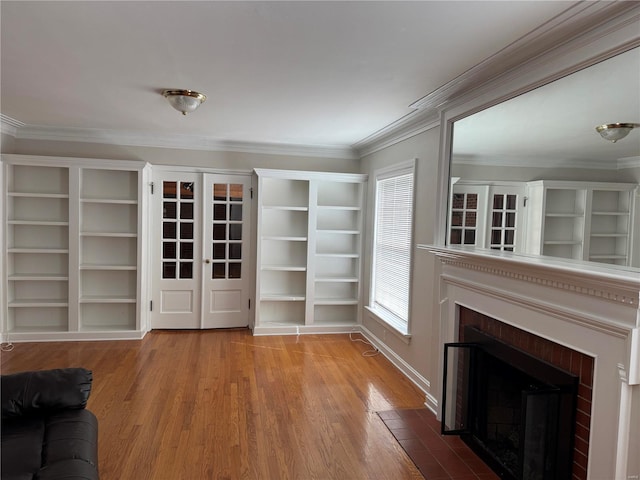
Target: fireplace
[515,410]
[578,317]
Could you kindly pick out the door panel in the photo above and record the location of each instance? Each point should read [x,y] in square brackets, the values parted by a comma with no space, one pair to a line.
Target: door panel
[177,238]
[226,251]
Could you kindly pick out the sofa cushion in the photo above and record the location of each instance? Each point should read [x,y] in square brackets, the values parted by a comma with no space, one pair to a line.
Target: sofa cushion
[21,447]
[39,392]
[70,434]
[60,446]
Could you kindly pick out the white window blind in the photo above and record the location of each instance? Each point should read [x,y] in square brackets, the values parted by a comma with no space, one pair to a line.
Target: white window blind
[392,248]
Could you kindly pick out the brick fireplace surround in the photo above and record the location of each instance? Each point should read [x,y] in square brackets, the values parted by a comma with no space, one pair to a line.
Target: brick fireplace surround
[563,357]
[583,318]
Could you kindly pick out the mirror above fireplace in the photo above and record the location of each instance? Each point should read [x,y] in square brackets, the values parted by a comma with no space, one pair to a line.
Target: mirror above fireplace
[532,175]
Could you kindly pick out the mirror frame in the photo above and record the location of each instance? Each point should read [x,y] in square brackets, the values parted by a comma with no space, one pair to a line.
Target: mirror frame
[604,41]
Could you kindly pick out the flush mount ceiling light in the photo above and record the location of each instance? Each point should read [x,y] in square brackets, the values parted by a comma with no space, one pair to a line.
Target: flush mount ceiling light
[615,131]
[185,101]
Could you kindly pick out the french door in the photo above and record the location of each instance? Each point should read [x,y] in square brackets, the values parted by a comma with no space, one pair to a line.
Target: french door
[201,250]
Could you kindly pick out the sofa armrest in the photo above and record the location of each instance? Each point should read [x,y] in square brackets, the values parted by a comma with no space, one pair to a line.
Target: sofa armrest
[44,391]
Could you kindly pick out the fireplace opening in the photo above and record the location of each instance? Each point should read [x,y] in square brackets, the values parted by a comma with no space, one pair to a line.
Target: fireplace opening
[516,411]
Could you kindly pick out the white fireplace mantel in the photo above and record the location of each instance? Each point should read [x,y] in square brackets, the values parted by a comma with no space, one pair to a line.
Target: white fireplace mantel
[591,308]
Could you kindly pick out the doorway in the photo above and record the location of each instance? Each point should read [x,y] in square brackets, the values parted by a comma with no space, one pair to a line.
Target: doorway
[201,250]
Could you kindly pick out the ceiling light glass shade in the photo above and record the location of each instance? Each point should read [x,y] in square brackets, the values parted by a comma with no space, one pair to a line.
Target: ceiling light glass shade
[615,131]
[185,101]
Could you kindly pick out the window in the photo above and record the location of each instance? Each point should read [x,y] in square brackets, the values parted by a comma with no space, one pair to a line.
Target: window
[392,245]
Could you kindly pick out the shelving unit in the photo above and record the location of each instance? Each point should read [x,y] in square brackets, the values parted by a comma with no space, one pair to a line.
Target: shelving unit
[108,249]
[338,248]
[581,220]
[37,240]
[73,248]
[610,226]
[309,244]
[284,226]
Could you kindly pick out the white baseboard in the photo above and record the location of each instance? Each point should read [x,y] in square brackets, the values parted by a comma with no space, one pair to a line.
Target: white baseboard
[411,373]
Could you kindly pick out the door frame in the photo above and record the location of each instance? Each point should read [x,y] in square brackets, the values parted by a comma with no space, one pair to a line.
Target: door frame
[155,223]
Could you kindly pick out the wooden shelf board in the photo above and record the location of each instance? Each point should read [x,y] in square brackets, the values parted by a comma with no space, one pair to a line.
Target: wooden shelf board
[89,266]
[39,223]
[335,301]
[112,201]
[109,234]
[285,238]
[23,303]
[39,329]
[37,277]
[38,250]
[106,299]
[283,268]
[282,298]
[107,328]
[609,235]
[337,279]
[338,232]
[613,214]
[38,195]
[339,207]
[287,208]
[562,242]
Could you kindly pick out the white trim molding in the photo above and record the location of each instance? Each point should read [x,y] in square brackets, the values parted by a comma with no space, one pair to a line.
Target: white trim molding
[538,162]
[185,142]
[9,125]
[615,285]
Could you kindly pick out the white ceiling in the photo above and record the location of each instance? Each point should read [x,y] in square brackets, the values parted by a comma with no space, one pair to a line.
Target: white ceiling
[326,73]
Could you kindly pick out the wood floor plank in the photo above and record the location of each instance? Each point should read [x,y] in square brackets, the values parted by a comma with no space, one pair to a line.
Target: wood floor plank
[227,405]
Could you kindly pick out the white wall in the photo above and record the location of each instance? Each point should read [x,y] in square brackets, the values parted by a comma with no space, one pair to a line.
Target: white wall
[420,354]
[7,143]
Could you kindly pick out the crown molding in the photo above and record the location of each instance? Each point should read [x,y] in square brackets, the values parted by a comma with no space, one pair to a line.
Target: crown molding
[629,162]
[406,127]
[539,162]
[9,125]
[183,142]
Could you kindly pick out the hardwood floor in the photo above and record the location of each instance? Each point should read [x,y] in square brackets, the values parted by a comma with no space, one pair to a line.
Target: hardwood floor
[227,405]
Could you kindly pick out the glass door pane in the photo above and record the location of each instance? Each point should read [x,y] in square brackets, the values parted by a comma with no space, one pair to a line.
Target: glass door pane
[177,230]
[227,231]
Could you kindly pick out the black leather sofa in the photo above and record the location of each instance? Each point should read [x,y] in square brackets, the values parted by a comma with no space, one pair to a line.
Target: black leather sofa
[47,434]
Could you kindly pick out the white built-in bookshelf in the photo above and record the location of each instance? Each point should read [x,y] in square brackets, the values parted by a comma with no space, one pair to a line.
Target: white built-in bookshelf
[309,249]
[73,248]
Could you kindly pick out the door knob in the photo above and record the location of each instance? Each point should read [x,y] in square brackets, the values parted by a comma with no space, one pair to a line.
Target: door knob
[207,260]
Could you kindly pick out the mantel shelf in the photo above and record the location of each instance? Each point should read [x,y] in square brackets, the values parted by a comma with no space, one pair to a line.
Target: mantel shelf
[618,284]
